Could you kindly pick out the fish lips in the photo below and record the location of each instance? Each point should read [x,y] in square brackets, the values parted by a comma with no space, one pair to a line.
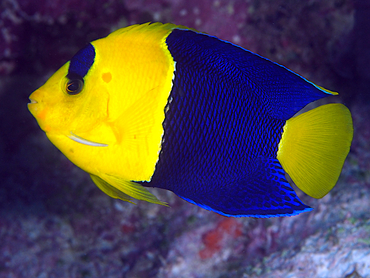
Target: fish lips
[37,109]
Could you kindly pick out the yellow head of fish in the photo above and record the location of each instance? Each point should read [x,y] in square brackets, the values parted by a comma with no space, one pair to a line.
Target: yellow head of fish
[104,108]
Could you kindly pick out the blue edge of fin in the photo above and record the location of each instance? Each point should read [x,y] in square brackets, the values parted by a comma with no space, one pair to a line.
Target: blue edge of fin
[268,194]
[248,215]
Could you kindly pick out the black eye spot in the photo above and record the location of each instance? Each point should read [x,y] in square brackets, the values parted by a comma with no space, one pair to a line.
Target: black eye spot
[74,85]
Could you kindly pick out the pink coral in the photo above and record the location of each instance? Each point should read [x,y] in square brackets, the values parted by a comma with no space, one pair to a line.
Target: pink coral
[215,239]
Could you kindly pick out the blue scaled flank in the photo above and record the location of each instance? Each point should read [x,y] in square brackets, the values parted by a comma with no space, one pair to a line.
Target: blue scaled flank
[222,127]
[82,61]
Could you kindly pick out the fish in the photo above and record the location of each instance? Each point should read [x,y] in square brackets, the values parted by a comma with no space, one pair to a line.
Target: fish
[165,106]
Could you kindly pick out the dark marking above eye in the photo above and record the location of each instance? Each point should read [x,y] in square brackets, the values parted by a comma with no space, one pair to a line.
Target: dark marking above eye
[82,61]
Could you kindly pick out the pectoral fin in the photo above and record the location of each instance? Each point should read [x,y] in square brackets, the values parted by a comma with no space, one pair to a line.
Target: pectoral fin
[110,190]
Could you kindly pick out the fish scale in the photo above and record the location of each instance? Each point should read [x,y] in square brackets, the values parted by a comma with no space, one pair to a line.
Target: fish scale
[231,149]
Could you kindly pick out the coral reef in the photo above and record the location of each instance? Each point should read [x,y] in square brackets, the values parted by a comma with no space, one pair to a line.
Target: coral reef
[54,222]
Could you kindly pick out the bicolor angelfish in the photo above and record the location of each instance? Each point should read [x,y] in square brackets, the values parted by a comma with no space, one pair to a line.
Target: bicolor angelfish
[165,106]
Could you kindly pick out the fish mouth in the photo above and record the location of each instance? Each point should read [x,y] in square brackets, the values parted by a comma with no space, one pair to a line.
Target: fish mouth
[84,141]
[33,107]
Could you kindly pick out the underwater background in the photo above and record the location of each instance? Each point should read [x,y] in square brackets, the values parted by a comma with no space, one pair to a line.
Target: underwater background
[54,222]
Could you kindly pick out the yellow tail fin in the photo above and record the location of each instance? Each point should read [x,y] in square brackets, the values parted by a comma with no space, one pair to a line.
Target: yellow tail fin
[314,146]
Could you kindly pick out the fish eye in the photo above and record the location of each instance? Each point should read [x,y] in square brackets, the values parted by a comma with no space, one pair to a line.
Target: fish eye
[74,85]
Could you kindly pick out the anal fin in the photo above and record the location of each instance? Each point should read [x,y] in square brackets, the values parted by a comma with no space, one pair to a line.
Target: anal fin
[263,192]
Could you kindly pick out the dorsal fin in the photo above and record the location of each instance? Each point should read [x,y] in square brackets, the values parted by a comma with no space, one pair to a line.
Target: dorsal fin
[282,91]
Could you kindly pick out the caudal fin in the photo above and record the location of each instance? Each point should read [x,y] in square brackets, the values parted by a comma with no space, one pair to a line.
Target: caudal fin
[314,146]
